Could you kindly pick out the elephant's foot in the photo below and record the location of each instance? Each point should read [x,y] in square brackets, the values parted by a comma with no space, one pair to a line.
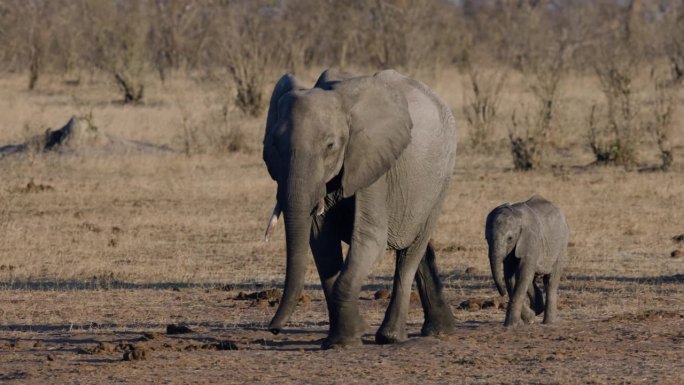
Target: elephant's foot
[389,338]
[528,315]
[549,319]
[346,336]
[513,321]
[386,335]
[332,342]
[438,326]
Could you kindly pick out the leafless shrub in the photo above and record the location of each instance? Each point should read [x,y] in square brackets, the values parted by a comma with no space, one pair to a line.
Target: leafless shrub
[215,132]
[133,92]
[660,124]
[615,140]
[527,141]
[481,104]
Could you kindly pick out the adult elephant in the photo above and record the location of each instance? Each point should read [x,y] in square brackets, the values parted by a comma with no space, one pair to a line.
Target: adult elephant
[365,161]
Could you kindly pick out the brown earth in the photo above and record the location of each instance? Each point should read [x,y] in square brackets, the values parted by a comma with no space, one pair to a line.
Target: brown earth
[113,341]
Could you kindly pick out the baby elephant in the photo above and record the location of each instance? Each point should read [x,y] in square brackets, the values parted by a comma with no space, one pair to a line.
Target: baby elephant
[527,239]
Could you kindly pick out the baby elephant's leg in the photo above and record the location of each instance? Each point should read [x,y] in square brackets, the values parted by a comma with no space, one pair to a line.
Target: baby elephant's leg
[518,300]
[527,314]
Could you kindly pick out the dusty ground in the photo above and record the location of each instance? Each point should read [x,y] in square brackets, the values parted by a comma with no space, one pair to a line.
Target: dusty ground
[98,254]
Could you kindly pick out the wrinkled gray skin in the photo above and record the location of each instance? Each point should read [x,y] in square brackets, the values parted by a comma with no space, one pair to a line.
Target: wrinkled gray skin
[527,239]
[380,151]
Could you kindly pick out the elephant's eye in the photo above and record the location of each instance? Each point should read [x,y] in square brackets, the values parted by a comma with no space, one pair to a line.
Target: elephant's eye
[330,146]
[509,238]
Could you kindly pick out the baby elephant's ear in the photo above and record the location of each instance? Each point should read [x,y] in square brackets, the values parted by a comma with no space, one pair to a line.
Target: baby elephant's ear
[529,244]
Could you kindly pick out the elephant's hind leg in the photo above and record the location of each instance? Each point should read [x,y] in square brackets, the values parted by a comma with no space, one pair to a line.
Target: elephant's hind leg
[536,297]
[393,328]
[327,252]
[551,283]
[438,317]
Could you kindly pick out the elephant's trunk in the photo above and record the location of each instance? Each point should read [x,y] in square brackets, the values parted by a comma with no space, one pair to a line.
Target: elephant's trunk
[297,210]
[496,264]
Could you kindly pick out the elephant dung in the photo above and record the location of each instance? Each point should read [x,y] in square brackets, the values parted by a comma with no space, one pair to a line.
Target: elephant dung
[269,295]
[261,303]
[472,304]
[475,304]
[494,302]
[136,353]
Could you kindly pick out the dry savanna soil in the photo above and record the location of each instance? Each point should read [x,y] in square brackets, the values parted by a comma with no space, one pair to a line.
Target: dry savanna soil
[123,265]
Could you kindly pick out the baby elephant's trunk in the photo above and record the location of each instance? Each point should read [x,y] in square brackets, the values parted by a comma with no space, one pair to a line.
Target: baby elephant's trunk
[497,272]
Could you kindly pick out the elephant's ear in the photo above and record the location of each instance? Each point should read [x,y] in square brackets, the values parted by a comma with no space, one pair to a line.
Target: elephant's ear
[380,129]
[529,245]
[330,77]
[286,84]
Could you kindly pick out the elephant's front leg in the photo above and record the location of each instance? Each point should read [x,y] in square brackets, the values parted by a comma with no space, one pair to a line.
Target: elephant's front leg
[518,299]
[368,243]
[510,273]
[326,248]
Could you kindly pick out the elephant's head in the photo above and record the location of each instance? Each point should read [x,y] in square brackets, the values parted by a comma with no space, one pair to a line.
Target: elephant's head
[341,135]
[503,231]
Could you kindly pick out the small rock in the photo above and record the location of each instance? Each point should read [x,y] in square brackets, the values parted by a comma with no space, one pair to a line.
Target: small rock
[471,270]
[304,299]
[677,253]
[50,357]
[383,294]
[175,288]
[177,329]
[679,238]
[37,344]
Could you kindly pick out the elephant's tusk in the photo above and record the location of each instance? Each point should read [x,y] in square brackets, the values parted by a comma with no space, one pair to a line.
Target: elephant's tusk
[272,222]
[321,207]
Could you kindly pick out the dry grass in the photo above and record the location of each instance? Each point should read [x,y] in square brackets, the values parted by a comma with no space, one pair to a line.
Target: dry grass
[144,223]
[198,219]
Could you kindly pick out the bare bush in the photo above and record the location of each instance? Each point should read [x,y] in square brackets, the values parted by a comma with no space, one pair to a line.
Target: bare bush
[214,132]
[660,124]
[614,140]
[133,93]
[481,104]
[527,141]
